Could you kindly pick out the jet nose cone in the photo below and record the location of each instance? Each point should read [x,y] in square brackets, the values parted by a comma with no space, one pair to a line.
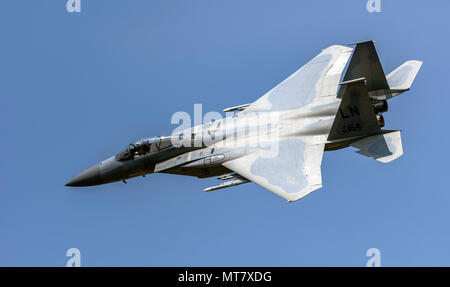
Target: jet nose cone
[90,176]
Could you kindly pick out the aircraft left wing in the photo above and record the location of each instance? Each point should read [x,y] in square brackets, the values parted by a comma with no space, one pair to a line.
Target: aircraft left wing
[292,172]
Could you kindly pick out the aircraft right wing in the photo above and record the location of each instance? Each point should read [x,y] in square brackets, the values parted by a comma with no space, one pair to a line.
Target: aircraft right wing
[292,172]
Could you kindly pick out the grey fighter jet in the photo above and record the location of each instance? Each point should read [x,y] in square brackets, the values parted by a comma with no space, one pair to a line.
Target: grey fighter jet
[334,101]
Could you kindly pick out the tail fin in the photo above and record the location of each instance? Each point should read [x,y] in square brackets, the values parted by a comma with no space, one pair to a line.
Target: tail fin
[364,63]
[355,116]
[384,148]
[402,77]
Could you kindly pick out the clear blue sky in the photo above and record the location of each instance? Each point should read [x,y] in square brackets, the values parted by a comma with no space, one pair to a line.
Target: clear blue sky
[76,88]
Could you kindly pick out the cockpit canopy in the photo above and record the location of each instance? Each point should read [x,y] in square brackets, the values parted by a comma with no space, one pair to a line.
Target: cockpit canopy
[143,147]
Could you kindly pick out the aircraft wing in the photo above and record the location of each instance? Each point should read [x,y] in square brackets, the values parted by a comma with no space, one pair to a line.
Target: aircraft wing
[316,79]
[292,172]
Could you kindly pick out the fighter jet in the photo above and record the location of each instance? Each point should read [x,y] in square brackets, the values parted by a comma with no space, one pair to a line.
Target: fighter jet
[334,101]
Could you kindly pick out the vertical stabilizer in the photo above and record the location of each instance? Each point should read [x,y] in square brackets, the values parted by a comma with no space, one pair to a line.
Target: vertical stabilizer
[364,63]
[355,116]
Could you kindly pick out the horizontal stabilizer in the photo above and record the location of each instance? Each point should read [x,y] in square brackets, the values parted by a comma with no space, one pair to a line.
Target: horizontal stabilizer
[401,79]
[384,147]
